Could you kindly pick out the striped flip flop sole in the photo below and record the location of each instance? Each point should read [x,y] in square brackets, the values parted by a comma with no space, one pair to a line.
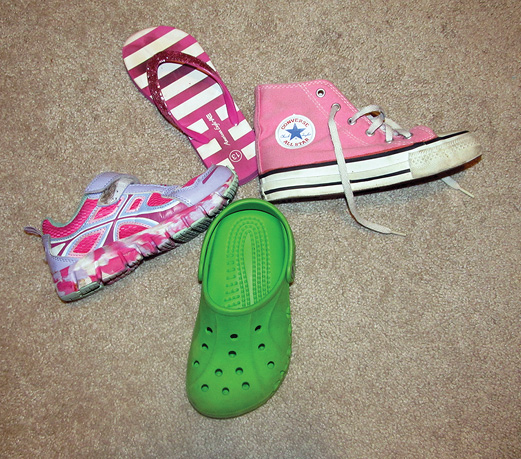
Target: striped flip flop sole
[193,98]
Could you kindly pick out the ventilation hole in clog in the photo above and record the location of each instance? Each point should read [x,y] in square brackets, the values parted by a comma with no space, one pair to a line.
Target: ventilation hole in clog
[204,388]
[258,328]
[234,336]
[218,372]
[271,364]
[204,346]
[196,363]
[239,371]
[262,347]
[209,330]
[232,354]
[245,385]
[226,391]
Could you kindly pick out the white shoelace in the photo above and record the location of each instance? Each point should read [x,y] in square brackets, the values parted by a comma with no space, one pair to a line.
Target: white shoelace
[453,184]
[379,121]
[344,175]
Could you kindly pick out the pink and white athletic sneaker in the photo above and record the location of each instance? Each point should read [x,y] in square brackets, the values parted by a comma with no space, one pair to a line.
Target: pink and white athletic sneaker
[311,141]
[120,222]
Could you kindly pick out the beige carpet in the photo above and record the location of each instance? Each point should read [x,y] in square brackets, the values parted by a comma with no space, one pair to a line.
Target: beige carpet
[403,347]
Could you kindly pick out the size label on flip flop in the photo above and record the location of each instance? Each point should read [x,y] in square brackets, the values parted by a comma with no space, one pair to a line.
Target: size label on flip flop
[295,131]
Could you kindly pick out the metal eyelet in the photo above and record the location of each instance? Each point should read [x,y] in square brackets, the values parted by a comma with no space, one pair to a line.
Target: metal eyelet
[369,134]
[351,122]
[321,92]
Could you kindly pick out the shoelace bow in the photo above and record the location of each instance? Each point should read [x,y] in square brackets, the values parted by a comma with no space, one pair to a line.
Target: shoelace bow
[379,121]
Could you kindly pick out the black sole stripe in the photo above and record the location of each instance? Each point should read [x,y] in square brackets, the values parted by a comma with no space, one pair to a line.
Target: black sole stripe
[365,158]
[315,185]
[436,139]
[298,187]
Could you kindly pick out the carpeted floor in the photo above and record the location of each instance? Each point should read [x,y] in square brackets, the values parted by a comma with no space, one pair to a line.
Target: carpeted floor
[402,347]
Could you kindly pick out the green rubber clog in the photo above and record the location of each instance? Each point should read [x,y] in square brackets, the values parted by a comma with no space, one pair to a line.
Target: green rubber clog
[241,344]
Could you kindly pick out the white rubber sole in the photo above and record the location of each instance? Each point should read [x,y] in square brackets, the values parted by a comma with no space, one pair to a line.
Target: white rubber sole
[375,171]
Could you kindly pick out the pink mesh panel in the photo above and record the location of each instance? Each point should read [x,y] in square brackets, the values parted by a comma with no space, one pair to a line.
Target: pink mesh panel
[74,225]
[105,211]
[129,230]
[86,244]
[157,200]
[135,205]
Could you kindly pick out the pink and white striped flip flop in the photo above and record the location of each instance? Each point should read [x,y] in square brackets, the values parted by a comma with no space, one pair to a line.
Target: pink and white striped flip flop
[171,69]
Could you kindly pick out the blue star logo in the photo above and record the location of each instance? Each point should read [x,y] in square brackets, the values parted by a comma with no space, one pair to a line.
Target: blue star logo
[295,132]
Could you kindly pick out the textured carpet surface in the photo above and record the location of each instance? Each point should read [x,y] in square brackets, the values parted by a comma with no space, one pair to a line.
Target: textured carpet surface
[402,347]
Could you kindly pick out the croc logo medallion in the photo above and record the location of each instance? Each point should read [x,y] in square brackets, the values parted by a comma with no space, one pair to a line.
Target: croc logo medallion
[296,131]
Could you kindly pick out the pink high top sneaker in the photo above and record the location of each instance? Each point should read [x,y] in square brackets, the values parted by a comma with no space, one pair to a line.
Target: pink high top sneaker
[119,222]
[311,141]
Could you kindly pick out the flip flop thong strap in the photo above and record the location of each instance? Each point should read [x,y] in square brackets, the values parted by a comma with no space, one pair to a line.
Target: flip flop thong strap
[175,57]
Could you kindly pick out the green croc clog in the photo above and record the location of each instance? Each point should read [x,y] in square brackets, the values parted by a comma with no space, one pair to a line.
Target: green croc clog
[241,345]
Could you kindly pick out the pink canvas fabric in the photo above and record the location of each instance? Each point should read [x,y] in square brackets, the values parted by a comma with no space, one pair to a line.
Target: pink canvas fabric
[282,110]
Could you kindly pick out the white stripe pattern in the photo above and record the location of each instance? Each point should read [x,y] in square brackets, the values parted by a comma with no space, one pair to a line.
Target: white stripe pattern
[249,150]
[222,112]
[199,126]
[209,149]
[240,130]
[177,87]
[184,98]
[138,35]
[197,101]
[162,43]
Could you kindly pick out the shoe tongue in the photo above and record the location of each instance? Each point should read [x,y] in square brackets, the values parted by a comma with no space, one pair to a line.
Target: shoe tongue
[111,185]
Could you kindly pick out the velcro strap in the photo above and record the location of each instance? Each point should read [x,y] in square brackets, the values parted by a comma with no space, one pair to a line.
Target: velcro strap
[104,180]
[112,185]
